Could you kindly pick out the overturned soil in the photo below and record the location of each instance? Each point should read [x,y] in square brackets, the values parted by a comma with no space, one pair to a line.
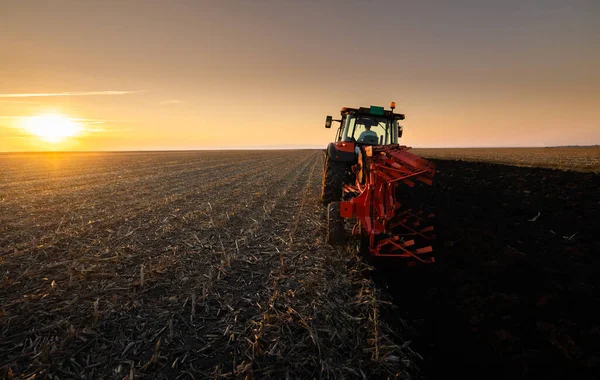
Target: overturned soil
[213,265]
[515,291]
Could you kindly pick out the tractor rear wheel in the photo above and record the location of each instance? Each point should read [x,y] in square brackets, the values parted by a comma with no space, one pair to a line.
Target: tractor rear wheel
[335,224]
[334,173]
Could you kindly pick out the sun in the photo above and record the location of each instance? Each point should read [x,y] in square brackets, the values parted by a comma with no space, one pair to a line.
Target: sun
[52,128]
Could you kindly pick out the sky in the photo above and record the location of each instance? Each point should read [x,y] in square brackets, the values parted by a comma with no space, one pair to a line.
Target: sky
[155,75]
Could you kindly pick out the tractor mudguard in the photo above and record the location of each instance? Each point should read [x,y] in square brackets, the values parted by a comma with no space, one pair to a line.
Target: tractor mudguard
[341,151]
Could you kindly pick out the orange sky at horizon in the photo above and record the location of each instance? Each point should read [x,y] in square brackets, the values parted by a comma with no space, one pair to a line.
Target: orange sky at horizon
[206,75]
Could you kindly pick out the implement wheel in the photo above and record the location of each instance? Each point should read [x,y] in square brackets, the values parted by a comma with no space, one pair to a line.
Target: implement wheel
[335,224]
[333,180]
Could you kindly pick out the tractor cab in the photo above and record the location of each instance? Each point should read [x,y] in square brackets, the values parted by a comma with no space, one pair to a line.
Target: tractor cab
[368,126]
[359,127]
[363,126]
[369,130]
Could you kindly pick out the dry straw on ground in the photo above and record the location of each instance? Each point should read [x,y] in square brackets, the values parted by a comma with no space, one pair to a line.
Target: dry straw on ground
[182,265]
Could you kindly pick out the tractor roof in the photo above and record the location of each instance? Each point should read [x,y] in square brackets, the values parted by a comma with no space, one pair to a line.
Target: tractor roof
[372,111]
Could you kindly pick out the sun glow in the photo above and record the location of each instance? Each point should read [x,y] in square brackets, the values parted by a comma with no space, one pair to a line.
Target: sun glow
[52,128]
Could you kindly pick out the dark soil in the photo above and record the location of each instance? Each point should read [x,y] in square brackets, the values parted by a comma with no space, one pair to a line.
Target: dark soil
[515,292]
[214,265]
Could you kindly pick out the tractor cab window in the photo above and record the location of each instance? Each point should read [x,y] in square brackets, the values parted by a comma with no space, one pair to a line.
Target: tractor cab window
[369,130]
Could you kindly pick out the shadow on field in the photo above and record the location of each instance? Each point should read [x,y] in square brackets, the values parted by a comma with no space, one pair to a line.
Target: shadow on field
[515,290]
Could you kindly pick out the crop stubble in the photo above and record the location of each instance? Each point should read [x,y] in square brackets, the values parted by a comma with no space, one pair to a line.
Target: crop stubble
[191,263]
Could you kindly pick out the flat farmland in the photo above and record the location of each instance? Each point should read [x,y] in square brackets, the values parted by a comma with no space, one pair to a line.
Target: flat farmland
[586,159]
[515,291]
[180,265]
[213,264]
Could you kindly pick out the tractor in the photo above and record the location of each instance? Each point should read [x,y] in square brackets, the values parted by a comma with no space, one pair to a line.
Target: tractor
[372,181]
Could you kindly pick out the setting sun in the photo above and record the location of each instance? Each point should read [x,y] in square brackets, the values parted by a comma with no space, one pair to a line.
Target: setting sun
[52,128]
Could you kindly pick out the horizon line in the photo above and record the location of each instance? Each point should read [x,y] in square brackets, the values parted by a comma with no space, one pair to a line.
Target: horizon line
[279,148]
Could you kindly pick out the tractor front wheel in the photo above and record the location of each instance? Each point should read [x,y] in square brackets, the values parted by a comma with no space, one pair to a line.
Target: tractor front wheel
[334,173]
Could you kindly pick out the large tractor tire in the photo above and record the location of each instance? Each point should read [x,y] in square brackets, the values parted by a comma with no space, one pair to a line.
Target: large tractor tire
[335,224]
[334,173]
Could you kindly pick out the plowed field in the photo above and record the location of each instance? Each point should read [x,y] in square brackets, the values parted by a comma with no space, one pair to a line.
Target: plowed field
[515,292]
[213,264]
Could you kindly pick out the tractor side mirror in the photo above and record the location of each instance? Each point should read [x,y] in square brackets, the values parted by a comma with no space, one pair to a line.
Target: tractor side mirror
[328,121]
[399,130]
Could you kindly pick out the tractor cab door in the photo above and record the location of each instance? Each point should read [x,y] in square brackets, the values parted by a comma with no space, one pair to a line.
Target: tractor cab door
[339,133]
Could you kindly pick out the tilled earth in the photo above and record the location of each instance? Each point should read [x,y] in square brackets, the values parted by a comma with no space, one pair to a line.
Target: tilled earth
[515,292]
[212,264]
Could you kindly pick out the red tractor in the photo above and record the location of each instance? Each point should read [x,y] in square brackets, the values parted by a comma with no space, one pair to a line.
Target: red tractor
[372,180]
